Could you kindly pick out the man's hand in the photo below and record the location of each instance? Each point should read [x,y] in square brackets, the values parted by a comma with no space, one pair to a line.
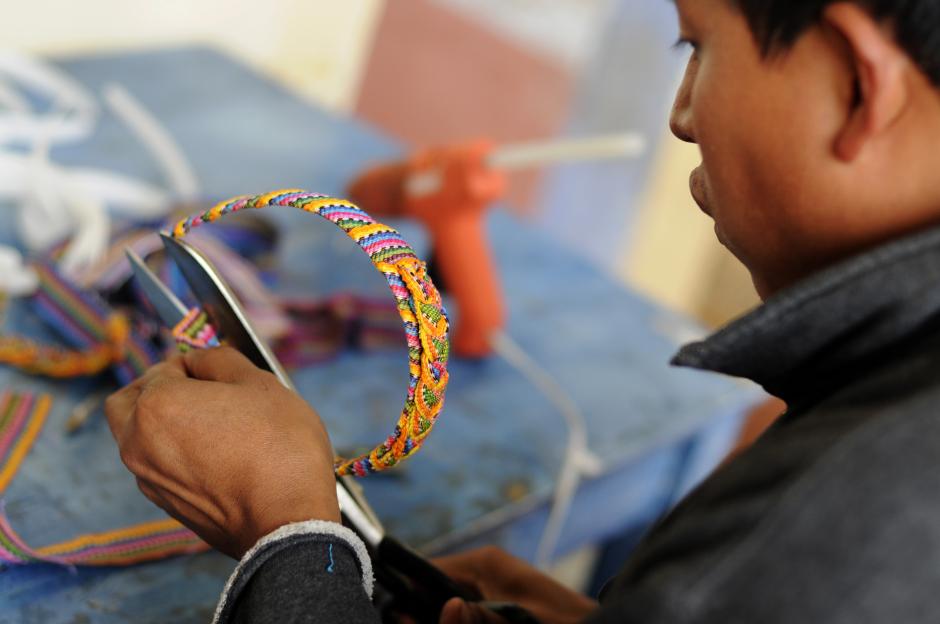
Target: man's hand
[224,448]
[499,577]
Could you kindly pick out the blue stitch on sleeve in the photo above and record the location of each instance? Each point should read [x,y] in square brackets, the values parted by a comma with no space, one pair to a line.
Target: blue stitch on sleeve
[329,568]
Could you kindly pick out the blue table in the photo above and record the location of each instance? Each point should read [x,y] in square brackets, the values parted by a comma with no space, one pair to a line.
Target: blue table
[487,472]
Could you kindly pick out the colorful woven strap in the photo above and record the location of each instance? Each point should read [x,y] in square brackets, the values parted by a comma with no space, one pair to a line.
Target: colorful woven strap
[322,328]
[419,305]
[21,419]
[195,332]
[101,338]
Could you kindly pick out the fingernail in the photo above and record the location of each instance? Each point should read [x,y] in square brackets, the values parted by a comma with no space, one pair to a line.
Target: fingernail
[466,615]
[471,614]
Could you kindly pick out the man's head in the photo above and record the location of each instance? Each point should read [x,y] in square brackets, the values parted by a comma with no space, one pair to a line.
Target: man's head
[818,123]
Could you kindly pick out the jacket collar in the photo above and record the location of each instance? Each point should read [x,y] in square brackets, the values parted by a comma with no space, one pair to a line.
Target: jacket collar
[833,326]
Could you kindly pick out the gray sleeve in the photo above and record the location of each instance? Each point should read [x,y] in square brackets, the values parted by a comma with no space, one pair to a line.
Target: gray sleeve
[305,572]
[848,535]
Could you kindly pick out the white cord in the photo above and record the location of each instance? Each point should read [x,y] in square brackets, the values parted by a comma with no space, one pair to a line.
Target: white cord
[579,460]
[124,195]
[56,201]
[19,125]
[121,193]
[90,242]
[176,168]
[16,279]
[24,128]
[44,78]
[11,100]
[43,219]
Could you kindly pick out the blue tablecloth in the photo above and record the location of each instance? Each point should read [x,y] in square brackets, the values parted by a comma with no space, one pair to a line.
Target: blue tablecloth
[488,469]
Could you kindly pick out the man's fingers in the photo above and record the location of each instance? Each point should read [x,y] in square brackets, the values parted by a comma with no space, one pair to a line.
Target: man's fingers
[473,567]
[151,493]
[453,611]
[120,406]
[456,611]
[463,569]
[466,564]
[172,367]
[220,364]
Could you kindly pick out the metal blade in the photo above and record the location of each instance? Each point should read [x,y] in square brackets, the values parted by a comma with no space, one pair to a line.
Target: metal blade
[228,317]
[169,308]
[223,308]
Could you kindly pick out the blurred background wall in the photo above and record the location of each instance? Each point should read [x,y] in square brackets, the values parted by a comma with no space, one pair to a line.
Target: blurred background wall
[428,71]
[319,47]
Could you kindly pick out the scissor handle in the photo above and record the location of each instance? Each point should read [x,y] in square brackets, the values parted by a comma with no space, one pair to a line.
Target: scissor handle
[422,589]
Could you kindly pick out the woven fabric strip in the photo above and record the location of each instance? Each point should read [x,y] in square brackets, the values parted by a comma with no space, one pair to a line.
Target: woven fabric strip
[419,306]
[84,321]
[100,337]
[21,420]
[195,332]
[322,328]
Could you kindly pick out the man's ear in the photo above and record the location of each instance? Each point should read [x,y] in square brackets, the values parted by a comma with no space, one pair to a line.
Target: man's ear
[880,66]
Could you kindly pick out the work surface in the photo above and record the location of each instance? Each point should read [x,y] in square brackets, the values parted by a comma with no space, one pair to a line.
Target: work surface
[488,469]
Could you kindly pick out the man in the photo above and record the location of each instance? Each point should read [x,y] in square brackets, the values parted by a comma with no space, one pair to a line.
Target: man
[819,127]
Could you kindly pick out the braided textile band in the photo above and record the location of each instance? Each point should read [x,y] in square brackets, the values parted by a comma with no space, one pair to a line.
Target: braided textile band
[21,419]
[419,305]
[102,338]
[49,361]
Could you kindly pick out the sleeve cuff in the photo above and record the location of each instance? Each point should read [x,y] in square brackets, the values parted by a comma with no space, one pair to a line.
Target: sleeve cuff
[281,538]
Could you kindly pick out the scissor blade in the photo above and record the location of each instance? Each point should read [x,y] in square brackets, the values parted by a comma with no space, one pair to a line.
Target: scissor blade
[169,308]
[223,308]
[228,317]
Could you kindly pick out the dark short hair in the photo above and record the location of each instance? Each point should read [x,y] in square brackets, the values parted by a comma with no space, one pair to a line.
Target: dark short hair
[777,24]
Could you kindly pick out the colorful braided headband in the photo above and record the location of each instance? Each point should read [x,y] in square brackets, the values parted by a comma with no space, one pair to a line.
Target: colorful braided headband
[419,305]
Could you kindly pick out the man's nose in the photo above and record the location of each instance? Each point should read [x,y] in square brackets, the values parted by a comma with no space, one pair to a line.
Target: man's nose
[680,120]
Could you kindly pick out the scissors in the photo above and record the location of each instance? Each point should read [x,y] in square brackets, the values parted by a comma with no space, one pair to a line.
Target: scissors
[407,584]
